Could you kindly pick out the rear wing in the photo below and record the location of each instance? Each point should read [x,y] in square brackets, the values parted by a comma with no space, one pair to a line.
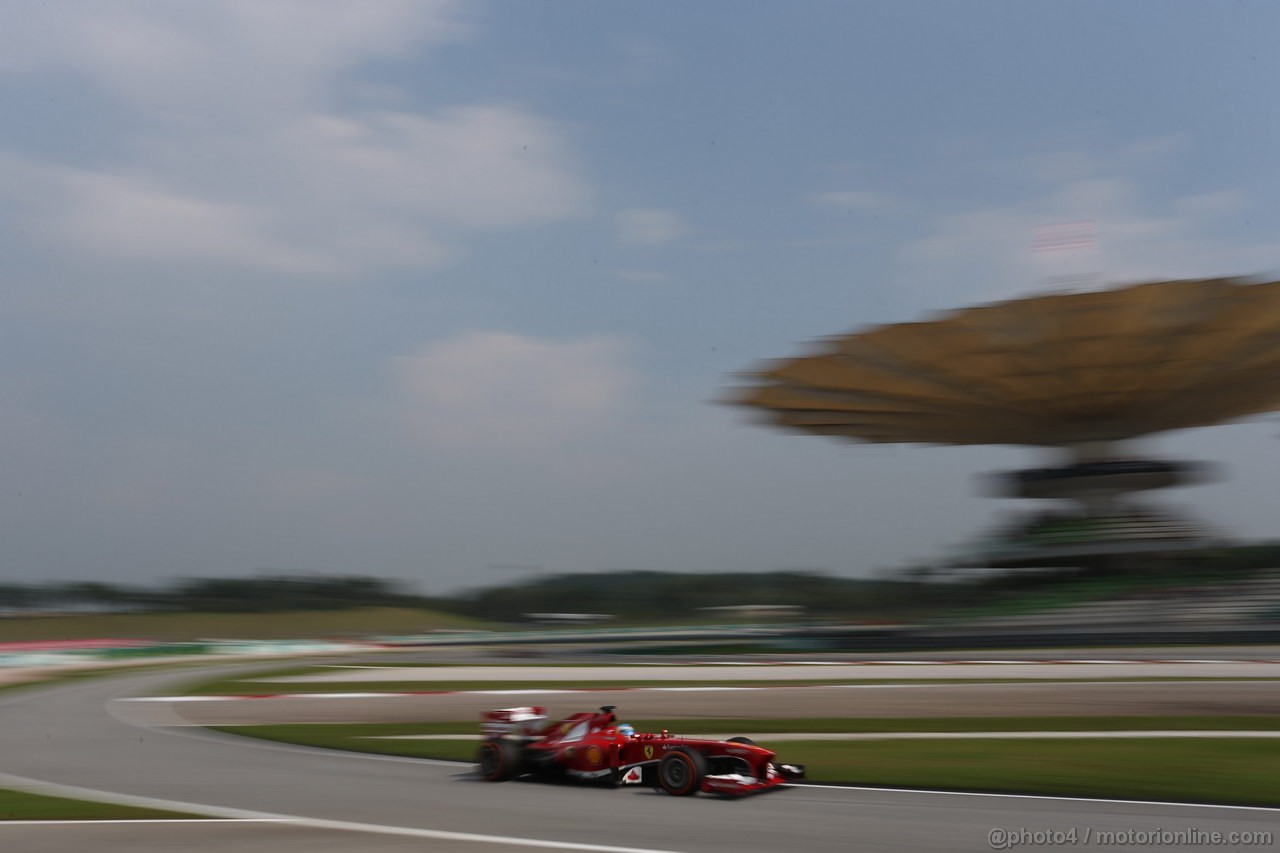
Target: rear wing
[513,722]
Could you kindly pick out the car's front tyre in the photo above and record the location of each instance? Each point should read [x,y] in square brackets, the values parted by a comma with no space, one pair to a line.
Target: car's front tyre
[681,772]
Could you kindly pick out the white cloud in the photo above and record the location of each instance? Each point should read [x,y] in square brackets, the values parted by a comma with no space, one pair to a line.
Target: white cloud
[496,391]
[1143,155]
[185,58]
[1211,204]
[649,226]
[481,167]
[241,155]
[116,216]
[862,201]
[987,252]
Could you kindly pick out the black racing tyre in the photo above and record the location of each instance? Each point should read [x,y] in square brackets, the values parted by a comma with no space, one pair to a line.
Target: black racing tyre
[744,740]
[681,771]
[498,760]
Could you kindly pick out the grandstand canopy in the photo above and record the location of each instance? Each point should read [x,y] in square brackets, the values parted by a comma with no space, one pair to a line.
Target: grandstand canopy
[1052,370]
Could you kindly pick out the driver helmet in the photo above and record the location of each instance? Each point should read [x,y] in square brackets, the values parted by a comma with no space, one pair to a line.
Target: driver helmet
[627,730]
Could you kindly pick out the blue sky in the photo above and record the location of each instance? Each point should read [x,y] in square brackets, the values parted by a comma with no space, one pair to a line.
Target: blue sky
[421,288]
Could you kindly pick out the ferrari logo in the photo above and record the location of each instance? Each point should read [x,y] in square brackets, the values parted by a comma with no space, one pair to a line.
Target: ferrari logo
[648,752]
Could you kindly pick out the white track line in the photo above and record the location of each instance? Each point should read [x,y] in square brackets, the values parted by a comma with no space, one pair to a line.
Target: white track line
[366,695]
[210,698]
[228,821]
[1109,662]
[998,662]
[900,662]
[696,689]
[513,692]
[315,823]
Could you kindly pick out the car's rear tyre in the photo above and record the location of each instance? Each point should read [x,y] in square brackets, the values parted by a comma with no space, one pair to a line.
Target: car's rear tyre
[498,760]
[743,740]
[681,772]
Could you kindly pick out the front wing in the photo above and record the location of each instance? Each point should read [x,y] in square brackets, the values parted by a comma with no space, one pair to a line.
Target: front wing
[726,784]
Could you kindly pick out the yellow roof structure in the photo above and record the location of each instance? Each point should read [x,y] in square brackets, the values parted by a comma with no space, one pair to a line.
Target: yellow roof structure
[1050,370]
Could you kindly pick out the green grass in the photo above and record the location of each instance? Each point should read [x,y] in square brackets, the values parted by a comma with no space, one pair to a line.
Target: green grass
[1204,771]
[286,625]
[1209,770]
[20,805]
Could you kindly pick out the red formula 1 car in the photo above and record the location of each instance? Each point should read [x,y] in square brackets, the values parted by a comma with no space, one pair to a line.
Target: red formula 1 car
[521,741]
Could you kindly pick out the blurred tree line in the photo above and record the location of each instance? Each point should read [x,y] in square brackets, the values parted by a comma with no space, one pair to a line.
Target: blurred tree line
[661,595]
[670,595]
[910,591]
[1257,555]
[224,595]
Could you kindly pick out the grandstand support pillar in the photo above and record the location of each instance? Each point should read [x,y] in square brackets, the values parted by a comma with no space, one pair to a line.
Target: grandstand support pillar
[1084,452]
[1106,499]
[1099,505]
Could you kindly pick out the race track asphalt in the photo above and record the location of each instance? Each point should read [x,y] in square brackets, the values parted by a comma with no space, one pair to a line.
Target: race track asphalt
[66,735]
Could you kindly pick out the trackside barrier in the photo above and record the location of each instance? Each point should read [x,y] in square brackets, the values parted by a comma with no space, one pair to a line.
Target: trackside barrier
[593,635]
